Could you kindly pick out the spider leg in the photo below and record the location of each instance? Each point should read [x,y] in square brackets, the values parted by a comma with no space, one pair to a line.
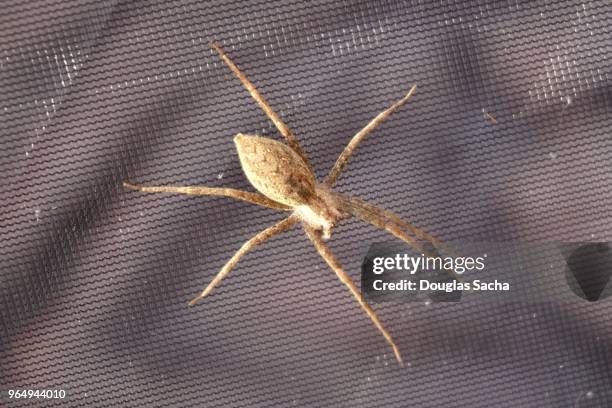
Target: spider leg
[254,198]
[348,150]
[263,104]
[333,263]
[261,237]
[358,210]
[380,219]
[383,213]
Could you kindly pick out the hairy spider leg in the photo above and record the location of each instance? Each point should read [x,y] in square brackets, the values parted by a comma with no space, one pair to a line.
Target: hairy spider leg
[254,198]
[259,238]
[344,157]
[365,214]
[371,216]
[383,213]
[328,256]
[263,104]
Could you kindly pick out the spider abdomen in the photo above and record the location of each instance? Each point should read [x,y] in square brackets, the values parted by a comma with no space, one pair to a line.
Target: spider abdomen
[276,170]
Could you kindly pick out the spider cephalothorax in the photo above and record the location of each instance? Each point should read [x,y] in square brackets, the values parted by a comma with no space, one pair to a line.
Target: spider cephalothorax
[284,176]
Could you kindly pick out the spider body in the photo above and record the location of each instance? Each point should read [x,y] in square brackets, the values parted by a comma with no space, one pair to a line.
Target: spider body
[280,174]
[284,176]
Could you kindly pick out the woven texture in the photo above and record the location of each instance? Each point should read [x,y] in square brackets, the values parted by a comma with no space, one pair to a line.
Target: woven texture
[506,138]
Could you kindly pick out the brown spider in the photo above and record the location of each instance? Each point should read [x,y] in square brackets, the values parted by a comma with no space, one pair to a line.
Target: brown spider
[284,176]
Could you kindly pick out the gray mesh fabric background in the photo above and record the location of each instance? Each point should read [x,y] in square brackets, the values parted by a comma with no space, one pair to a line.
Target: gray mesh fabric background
[94,280]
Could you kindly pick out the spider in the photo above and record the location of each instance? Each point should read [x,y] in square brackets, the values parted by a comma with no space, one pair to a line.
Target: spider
[286,180]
